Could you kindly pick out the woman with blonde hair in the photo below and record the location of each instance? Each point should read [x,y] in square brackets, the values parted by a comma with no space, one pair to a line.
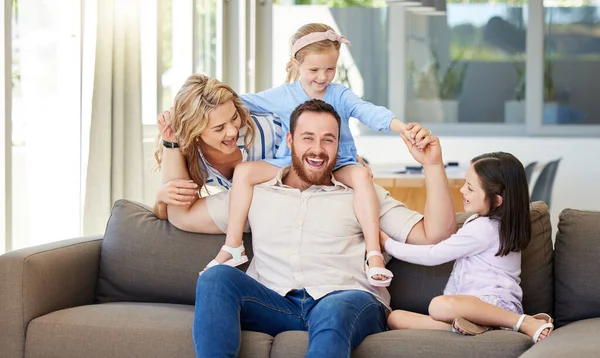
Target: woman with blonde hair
[204,136]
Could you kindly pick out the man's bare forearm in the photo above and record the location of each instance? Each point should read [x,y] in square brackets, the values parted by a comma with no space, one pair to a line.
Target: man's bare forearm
[440,218]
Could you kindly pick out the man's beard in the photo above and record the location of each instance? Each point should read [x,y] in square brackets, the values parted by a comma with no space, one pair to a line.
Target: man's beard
[312,177]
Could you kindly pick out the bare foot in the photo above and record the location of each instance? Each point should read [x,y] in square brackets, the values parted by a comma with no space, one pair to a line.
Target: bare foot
[530,325]
[376,261]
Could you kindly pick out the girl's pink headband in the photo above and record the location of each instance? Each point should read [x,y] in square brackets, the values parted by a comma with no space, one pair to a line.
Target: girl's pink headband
[316,37]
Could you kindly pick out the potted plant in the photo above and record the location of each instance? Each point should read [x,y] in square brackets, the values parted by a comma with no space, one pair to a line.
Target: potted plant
[514,110]
[437,90]
[556,110]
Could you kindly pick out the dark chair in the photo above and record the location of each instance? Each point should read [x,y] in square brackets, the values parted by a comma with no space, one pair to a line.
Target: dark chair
[529,171]
[542,190]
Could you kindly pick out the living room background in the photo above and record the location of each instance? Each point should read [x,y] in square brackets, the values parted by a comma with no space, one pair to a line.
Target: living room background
[84,80]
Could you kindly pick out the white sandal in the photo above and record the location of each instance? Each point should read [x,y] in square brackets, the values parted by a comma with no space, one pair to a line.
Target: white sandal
[536,335]
[236,257]
[371,271]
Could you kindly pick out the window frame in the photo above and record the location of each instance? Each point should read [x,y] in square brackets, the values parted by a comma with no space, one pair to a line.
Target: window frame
[6,130]
[533,126]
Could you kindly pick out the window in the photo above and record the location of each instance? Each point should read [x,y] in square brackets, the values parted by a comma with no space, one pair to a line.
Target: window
[180,38]
[464,67]
[571,58]
[47,77]
[464,63]
[46,38]
[206,38]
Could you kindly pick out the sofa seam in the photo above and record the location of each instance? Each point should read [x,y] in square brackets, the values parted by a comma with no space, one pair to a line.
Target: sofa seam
[60,248]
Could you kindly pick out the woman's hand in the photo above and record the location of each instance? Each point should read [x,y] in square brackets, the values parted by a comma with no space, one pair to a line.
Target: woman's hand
[164,127]
[178,192]
[423,146]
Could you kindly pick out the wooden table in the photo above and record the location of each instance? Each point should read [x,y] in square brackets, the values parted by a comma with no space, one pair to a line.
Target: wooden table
[410,188]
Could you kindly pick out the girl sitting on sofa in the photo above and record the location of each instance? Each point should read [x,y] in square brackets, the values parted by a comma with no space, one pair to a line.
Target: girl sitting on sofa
[483,290]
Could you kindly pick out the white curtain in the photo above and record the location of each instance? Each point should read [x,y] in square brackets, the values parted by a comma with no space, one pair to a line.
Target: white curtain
[115,166]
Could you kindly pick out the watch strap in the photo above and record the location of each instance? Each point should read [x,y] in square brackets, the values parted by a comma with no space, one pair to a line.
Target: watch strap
[170,144]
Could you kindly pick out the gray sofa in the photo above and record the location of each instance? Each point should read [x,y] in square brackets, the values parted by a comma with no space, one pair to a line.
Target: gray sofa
[131,292]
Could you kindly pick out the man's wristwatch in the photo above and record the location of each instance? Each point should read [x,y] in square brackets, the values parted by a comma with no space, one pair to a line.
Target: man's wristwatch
[170,144]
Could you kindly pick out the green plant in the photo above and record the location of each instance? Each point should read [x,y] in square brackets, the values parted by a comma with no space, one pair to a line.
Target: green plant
[342,74]
[520,87]
[432,82]
[549,85]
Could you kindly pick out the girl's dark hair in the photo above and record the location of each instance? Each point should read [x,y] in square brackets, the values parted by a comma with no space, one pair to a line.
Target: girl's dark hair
[502,174]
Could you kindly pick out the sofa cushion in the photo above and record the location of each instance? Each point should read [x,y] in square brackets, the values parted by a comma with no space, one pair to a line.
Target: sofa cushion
[145,259]
[577,266]
[537,263]
[416,343]
[414,286]
[578,339]
[124,330]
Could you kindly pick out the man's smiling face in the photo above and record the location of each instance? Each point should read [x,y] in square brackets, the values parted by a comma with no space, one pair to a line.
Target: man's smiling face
[314,147]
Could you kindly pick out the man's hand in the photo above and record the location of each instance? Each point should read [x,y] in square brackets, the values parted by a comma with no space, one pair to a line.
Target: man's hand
[422,145]
[164,127]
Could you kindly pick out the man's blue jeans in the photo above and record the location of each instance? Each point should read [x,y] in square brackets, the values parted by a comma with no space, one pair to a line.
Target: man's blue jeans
[229,301]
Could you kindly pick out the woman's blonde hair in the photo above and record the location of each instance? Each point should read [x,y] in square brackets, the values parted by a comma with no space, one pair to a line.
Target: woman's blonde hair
[198,96]
[315,47]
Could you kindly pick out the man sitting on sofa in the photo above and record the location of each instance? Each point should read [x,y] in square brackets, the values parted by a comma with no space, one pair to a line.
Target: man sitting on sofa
[308,268]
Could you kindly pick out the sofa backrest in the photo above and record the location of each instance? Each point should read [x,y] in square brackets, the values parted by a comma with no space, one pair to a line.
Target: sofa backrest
[144,259]
[414,286]
[576,266]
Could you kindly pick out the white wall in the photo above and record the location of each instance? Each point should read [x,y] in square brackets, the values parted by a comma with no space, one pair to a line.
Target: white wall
[577,180]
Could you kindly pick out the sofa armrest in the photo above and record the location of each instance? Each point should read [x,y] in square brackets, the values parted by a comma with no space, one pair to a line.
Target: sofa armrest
[43,279]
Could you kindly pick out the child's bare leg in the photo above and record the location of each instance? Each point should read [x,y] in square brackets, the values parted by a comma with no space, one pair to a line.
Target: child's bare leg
[245,176]
[400,319]
[447,308]
[366,207]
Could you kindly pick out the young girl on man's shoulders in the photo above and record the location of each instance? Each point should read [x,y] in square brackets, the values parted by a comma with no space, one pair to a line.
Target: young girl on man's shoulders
[314,53]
